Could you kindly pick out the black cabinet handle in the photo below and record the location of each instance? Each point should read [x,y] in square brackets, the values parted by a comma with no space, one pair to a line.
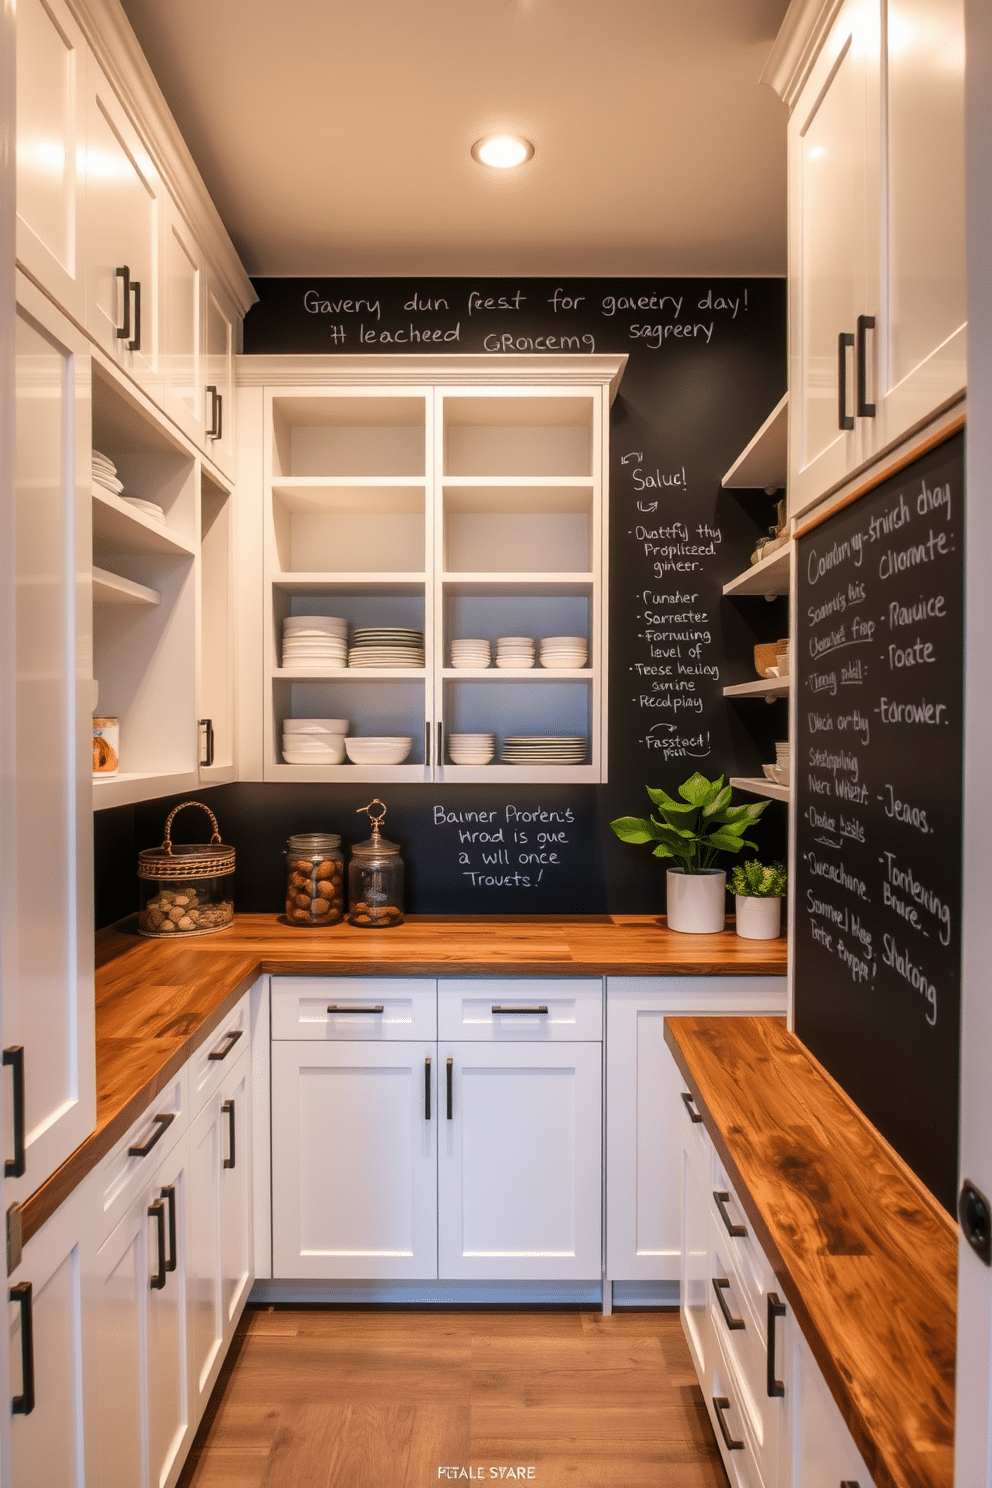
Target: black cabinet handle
[169,1195]
[690,1105]
[14,1057]
[776,1309]
[720,1285]
[227,1109]
[845,341]
[440,742]
[427,1090]
[124,331]
[866,323]
[721,1404]
[372,1008]
[135,342]
[498,1009]
[156,1211]
[23,1404]
[230,1039]
[427,744]
[207,733]
[722,1200]
[142,1149]
[448,1076]
[216,412]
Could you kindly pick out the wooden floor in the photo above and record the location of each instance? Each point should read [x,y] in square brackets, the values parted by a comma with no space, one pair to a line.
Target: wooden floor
[349,1398]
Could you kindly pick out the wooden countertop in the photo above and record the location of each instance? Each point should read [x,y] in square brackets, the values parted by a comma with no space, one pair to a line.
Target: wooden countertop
[157,1000]
[865,1255]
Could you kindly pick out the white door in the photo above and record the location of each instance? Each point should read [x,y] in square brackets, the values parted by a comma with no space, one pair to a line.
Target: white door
[234,1183]
[47,958]
[181,358]
[206,1318]
[519,1176]
[818,1450]
[695,1190]
[219,340]
[354,1160]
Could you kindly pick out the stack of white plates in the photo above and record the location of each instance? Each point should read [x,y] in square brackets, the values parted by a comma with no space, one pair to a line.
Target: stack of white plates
[515,651]
[150,508]
[779,771]
[544,749]
[104,473]
[564,651]
[382,750]
[471,749]
[313,741]
[315,642]
[474,654]
[386,646]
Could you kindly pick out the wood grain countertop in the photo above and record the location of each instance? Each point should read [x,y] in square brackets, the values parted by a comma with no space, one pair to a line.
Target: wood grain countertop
[865,1255]
[157,1000]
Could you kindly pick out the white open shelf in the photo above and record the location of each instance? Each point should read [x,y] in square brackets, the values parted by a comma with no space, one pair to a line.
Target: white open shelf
[764,687]
[764,462]
[119,528]
[111,589]
[769,576]
[758,786]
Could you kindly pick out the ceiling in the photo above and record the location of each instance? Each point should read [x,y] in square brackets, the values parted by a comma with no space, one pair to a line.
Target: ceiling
[335,138]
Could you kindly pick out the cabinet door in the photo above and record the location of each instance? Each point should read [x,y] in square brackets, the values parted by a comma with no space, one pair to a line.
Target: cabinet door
[206,1314]
[818,1451]
[219,342]
[51,124]
[236,1262]
[180,359]
[46,905]
[519,1164]
[694,1183]
[354,1160]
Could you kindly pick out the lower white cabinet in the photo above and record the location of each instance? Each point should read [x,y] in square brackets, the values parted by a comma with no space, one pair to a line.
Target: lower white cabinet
[818,1451]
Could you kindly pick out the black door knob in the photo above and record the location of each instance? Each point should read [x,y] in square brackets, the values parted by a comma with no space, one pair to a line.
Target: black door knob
[975,1214]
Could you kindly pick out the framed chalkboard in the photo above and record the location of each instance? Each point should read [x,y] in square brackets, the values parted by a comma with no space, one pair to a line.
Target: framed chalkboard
[878,804]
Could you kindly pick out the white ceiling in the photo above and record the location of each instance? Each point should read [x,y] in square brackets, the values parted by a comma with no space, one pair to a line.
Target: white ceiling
[334,138]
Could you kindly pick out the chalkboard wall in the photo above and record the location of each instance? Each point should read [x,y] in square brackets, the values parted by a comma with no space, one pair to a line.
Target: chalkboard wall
[878,805]
[707,363]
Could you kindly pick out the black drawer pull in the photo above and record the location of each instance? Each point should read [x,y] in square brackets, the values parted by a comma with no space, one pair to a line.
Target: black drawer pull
[216,412]
[23,1404]
[721,1404]
[722,1199]
[230,1039]
[372,1008]
[206,726]
[227,1109]
[720,1285]
[427,744]
[865,409]
[427,1090]
[850,1483]
[845,341]
[448,1075]
[169,1195]
[156,1212]
[14,1057]
[498,1009]
[124,331]
[689,1102]
[142,1149]
[776,1309]
[135,342]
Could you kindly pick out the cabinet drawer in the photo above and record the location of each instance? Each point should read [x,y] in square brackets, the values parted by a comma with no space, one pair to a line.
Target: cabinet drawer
[375,1008]
[156,1132]
[747,1257]
[520,1012]
[732,1422]
[743,1343]
[213,1059]
[695,1137]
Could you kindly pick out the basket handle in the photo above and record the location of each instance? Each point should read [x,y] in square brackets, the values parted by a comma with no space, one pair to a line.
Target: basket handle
[167,844]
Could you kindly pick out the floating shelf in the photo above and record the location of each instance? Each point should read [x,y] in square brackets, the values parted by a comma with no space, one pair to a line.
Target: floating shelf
[764,463]
[119,528]
[765,687]
[517,674]
[760,787]
[111,589]
[769,576]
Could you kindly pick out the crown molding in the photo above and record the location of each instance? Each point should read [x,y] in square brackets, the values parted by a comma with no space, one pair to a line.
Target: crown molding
[454,370]
[801,34]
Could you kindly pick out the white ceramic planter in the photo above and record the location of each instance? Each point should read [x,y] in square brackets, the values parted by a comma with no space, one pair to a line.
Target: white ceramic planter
[697,901]
[758,919]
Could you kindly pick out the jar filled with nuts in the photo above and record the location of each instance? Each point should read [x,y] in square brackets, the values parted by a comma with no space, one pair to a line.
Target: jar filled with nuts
[314,879]
[375,878]
[186,889]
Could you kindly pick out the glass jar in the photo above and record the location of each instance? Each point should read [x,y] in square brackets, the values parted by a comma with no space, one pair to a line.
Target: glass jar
[375,878]
[185,889]
[314,879]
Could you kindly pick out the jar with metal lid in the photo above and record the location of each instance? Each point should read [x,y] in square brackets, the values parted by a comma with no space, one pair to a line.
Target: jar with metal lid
[314,879]
[375,878]
[186,889]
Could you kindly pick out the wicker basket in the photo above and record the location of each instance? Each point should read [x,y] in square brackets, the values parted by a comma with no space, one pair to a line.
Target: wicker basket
[186,889]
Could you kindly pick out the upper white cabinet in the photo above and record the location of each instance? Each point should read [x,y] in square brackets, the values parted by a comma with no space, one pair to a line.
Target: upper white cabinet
[876,211]
[219,340]
[182,327]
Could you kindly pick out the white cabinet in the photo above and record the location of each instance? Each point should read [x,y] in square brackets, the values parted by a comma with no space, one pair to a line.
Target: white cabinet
[219,339]
[183,280]
[643,1152]
[817,1448]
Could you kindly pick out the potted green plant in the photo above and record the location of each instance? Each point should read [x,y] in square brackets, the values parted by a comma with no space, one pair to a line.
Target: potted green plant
[758,889]
[694,830]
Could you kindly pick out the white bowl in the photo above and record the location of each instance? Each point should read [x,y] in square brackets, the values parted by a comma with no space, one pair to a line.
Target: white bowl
[578,643]
[382,750]
[292,757]
[315,725]
[775,773]
[313,743]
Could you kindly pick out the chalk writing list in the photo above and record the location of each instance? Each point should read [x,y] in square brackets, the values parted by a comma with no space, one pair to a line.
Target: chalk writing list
[878,804]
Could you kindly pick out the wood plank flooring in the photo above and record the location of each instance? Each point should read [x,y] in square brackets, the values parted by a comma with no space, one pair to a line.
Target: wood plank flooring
[355,1398]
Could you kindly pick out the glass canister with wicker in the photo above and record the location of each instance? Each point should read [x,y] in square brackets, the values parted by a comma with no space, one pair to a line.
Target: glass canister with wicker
[186,889]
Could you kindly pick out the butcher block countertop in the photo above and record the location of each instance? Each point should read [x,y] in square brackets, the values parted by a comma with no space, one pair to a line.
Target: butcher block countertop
[158,1000]
[865,1255]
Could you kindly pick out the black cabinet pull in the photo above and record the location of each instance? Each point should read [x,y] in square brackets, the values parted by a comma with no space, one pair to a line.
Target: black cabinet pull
[124,331]
[376,1007]
[230,1039]
[720,1285]
[866,323]
[207,741]
[156,1212]
[498,1009]
[227,1108]
[722,1200]
[142,1149]
[427,1090]
[14,1057]
[776,1309]
[169,1195]
[427,744]
[690,1105]
[440,742]
[449,1064]
[216,412]
[850,1483]
[135,342]
[721,1404]
[23,1404]
[845,341]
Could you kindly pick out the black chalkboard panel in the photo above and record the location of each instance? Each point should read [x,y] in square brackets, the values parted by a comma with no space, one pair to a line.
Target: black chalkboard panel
[878,805]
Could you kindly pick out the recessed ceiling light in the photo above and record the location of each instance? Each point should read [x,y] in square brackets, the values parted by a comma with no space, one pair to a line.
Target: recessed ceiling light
[502,151]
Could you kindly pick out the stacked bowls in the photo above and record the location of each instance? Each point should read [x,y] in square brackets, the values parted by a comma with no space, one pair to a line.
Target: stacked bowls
[471,654]
[564,651]
[316,643]
[779,771]
[471,749]
[384,749]
[515,651]
[314,741]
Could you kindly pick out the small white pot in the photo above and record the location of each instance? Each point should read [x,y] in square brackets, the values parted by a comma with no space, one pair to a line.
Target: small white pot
[697,901]
[758,919]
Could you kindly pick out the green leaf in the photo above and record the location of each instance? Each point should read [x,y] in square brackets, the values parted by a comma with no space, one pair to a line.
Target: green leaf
[726,843]
[663,851]
[699,791]
[665,804]
[633,829]
[719,802]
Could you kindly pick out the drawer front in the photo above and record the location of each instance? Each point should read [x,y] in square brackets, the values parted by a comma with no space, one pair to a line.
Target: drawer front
[215,1056]
[743,1341]
[154,1134]
[733,1423]
[750,1263]
[375,1008]
[527,1011]
[695,1137]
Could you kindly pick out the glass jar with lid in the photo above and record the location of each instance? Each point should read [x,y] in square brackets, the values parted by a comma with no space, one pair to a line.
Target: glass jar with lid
[375,877]
[314,879]
[186,889]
